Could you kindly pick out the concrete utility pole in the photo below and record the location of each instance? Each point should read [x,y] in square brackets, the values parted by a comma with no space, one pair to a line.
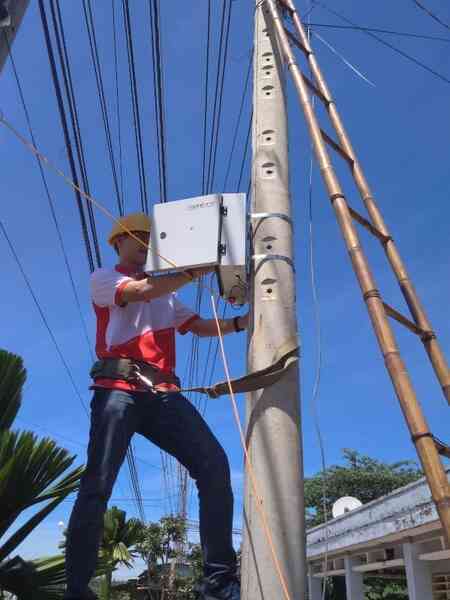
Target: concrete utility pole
[11,12]
[273,415]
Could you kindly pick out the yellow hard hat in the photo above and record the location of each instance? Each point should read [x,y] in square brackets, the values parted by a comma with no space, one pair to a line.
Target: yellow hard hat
[133,222]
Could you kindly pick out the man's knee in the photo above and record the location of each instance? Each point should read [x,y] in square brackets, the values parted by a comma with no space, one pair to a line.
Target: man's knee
[216,470]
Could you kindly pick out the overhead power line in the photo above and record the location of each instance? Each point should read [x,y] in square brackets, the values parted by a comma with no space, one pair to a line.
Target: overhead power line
[385,43]
[50,202]
[135,106]
[63,117]
[218,100]
[206,89]
[238,123]
[43,317]
[431,14]
[90,26]
[116,74]
[158,85]
[419,36]
[70,440]
[74,118]
[246,147]
[134,478]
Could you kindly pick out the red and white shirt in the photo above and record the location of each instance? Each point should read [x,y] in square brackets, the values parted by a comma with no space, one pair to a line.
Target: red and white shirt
[144,331]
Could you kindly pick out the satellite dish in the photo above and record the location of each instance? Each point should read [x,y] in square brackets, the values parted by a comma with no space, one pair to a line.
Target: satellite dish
[345,505]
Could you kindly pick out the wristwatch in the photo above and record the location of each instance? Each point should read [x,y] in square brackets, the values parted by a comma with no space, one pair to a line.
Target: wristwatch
[236,325]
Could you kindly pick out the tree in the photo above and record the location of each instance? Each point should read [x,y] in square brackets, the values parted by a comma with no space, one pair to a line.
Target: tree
[32,473]
[119,539]
[363,477]
[160,544]
[186,586]
[367,479]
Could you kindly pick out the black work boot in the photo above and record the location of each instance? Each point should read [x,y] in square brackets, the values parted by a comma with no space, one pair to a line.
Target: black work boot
[5,16]
[231,590]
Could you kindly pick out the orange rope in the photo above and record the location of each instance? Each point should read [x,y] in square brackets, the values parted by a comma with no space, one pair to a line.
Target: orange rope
[251,472]
[253,479]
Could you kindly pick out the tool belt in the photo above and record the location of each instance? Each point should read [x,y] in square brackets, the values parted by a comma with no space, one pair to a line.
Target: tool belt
[132,371]
[138,372]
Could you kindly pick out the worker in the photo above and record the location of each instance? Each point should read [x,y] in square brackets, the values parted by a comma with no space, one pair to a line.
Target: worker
[136,391]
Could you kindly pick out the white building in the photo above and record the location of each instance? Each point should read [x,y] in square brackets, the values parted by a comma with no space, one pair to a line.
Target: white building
[395,536]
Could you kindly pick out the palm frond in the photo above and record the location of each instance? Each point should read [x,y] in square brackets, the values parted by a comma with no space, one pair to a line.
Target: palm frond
[30,472]
[41,579]
[12,378]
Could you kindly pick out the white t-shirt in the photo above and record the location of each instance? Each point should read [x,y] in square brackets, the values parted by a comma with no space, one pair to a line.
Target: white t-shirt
[144,331]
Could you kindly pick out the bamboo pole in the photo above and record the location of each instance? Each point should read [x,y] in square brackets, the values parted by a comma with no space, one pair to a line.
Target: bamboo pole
[418,427]
[418,313]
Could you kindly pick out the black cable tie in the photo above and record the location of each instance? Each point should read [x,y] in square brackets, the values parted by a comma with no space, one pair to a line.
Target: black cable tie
[427,336]
[335,197]
[372,294]
[418,436]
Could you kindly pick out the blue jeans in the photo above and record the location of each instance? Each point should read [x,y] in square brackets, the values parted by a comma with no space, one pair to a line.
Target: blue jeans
[171,422]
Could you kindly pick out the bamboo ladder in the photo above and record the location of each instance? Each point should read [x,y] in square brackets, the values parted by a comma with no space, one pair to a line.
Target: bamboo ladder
[427,446]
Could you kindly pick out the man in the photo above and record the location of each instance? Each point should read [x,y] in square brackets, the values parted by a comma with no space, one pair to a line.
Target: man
[137,317]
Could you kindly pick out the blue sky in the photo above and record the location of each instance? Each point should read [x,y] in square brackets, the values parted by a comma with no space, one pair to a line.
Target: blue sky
[400,128]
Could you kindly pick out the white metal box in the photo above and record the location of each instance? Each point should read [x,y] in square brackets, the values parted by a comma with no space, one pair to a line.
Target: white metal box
[202,231]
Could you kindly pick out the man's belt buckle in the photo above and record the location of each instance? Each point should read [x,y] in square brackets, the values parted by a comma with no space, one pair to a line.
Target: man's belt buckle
[136,374]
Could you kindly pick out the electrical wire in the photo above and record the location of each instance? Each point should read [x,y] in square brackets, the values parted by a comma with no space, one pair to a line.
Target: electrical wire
[316,385]
[119,128]
[217,85]
[43,317]
[431,14]
[158,84]
[343,59]
[135,106]
[246,147]
[149,502]
[134,477]
[221,77]
[51,203]
[386,31]
[70,440]
[64,124]
[385,43]
[318,326]
[90,27]
[73,112]
[238,122]
[205,109]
